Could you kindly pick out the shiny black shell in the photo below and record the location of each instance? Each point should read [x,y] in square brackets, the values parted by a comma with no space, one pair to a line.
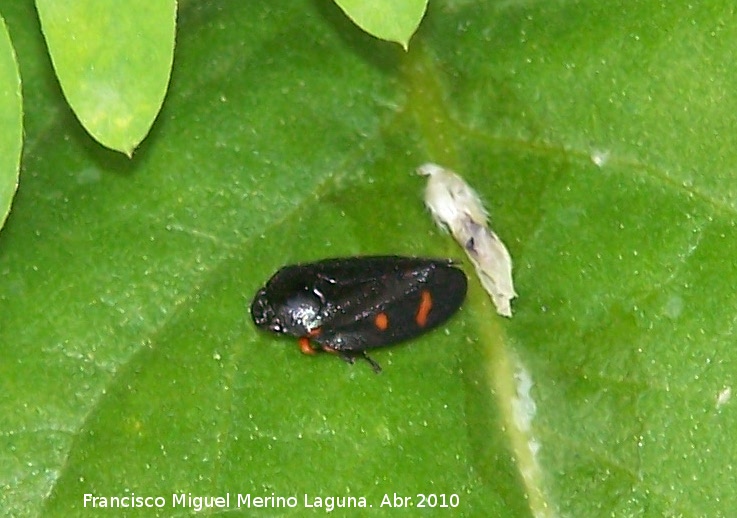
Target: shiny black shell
[348,305]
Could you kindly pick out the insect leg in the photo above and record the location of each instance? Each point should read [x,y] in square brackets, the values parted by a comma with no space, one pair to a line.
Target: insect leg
[350,357]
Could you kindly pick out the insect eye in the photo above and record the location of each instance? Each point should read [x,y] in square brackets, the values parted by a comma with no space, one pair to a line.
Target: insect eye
[303,310]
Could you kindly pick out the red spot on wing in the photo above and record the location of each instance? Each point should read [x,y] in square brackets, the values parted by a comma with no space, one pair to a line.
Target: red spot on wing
[381,321]
[423,310]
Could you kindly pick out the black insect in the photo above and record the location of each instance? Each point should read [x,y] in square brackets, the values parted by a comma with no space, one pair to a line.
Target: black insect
[349,305]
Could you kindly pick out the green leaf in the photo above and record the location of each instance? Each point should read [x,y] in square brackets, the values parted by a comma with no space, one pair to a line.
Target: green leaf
[386,19]
[113,61]
[11,120]
[600,140]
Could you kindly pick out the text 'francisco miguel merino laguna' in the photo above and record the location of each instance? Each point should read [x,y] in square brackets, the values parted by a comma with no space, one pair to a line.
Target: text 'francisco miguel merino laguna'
[198,503]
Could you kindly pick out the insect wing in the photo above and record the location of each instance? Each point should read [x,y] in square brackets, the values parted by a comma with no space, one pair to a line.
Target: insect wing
[353,288]
[389,300]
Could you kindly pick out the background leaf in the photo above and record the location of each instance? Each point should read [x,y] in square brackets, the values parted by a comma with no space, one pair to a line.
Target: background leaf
[385,19]
[599,137]
[113,60]
[11,120]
